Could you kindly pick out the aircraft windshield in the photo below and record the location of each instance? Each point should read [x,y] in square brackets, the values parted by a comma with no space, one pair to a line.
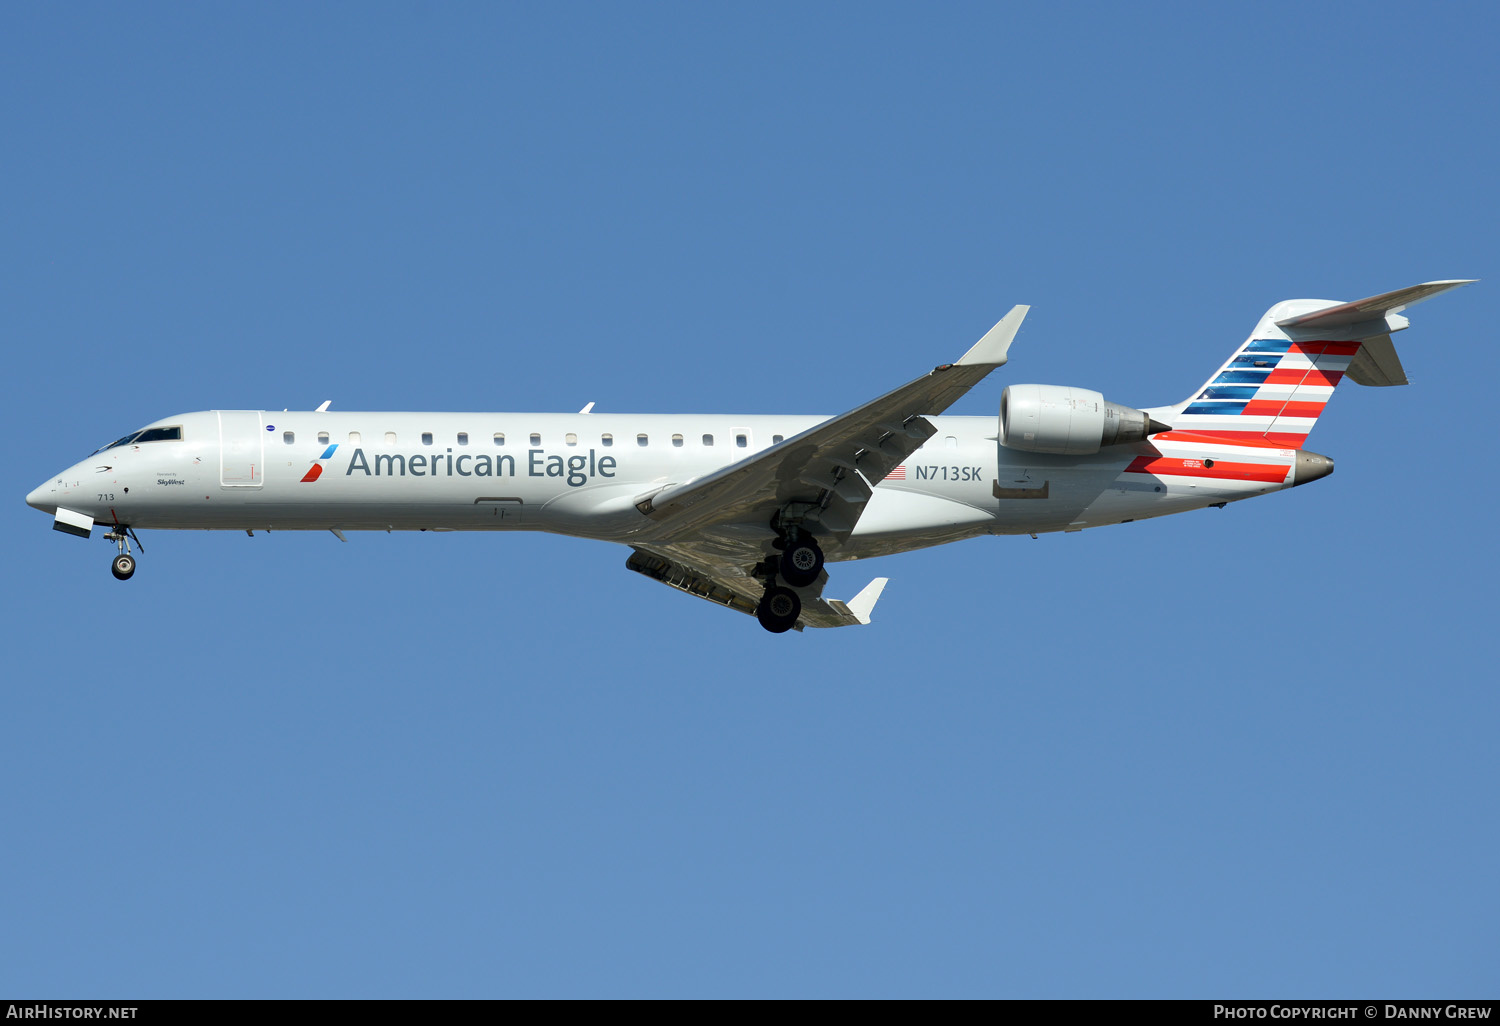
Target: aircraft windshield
[161,434]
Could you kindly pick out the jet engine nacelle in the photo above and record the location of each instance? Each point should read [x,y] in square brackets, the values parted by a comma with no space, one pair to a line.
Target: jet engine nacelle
[1067,421]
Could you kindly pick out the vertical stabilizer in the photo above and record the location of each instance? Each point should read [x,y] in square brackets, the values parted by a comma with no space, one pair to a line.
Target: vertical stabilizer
[1278,382]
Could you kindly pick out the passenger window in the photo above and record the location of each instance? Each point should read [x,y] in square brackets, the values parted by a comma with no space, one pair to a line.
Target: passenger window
[426,437]
[536,439]
[677,441]
[641,440]
[708,439]
[606,439]
[463,438]
[288,437]
[322,437]
[570,438]
[390,438]
[775,439]
[741,441]
[354,438]
[499,437]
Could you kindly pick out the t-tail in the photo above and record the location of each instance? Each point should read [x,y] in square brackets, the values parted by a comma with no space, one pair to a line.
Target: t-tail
[1277,384]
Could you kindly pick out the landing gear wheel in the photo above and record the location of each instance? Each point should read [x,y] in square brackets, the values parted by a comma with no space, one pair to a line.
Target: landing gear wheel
[801,562]
[779,609]
[123,566]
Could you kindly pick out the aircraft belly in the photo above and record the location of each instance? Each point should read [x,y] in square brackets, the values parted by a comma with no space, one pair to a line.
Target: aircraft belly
[897,519]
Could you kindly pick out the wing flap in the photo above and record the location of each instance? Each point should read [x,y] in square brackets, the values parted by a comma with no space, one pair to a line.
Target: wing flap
[742,593]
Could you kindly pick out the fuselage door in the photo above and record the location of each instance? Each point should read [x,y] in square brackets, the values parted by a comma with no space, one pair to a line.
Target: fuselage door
[242,443]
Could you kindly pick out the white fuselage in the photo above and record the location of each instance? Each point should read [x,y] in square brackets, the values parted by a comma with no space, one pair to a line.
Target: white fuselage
[582,474]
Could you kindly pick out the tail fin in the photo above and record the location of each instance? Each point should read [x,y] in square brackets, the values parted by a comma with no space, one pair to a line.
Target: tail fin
[1275,386]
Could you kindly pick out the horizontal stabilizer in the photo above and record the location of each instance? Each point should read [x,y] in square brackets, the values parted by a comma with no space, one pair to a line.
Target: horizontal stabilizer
[1373,309]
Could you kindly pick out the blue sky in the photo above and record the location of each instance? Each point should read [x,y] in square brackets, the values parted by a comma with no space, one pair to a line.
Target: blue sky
[1237,753]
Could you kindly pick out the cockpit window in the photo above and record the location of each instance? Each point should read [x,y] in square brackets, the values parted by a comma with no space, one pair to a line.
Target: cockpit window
[171,434]
[162,434]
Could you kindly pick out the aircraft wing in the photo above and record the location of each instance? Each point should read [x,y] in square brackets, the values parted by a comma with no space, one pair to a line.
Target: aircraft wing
[831,469]
[729,585]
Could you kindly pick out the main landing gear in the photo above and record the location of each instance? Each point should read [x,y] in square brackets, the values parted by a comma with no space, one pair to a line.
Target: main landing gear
[778,609]
[801,561]
[799,564]
[123,565]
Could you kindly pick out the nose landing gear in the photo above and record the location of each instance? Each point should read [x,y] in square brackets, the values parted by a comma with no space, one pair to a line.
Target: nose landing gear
[123,565]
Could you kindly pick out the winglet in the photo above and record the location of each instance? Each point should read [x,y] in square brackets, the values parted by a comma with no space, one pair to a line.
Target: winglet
[991,350]
[863,604]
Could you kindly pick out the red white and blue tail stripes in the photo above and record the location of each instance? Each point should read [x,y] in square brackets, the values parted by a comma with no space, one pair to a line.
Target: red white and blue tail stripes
[1271,390]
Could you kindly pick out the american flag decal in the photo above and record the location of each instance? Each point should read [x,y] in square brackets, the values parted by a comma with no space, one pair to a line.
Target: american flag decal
[899,474]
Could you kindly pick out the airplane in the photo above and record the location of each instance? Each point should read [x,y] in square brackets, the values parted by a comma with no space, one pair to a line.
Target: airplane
[747,511]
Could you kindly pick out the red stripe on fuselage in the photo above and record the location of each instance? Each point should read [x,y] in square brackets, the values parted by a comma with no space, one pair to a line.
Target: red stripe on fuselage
[1171,466]
[1247,439]
[1280,439]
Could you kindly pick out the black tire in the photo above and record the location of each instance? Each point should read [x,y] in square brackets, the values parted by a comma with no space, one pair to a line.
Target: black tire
[123,566]
[779,609]
[801,562]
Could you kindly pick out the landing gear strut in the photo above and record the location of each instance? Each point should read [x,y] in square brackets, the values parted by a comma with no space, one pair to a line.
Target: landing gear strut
[123,565]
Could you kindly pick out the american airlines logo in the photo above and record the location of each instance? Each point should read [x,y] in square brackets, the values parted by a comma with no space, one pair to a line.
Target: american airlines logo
[316,470]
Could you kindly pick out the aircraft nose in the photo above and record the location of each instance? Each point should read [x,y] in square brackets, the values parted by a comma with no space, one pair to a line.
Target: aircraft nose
[41,497]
